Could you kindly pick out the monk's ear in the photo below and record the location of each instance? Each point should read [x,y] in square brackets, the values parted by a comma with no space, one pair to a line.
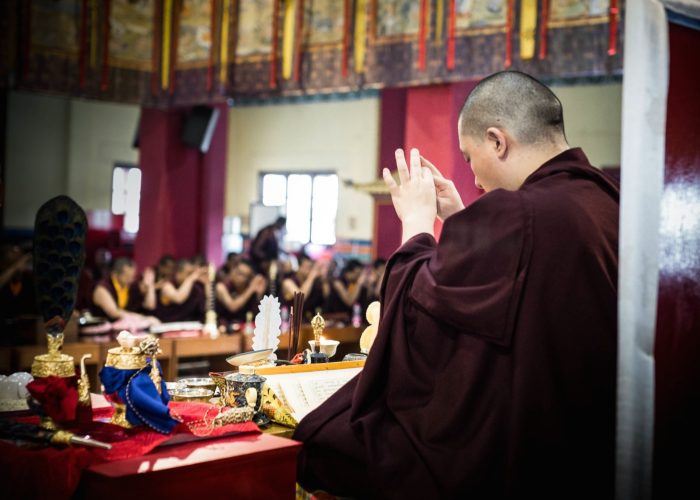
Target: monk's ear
[498,141]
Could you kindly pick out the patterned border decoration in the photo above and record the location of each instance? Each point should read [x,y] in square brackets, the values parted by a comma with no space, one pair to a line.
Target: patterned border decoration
[195,37]
[480,17]
[55,26]
[571,13]
[323,25]
[254,40]
[579,49]
[131,34]
[387,14]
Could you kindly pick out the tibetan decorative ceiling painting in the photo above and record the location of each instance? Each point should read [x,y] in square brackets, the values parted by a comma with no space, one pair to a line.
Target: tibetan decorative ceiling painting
[176,52]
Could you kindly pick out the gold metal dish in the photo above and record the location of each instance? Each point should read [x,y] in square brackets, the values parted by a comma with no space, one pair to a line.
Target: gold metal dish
[198,383]
[192,395]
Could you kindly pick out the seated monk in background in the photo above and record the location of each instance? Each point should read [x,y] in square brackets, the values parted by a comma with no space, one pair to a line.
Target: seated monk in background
[308,279]
[350,288]
[120,295]
[493,371]
[184,297]
[239,293]
[16,284]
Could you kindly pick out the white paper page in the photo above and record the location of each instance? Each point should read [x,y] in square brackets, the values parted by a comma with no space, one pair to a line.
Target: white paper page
[304,392]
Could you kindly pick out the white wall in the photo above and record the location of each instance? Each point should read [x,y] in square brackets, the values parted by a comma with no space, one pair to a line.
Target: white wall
[341,136]
[100,135]
[58,146]
[592,118]
[36,153]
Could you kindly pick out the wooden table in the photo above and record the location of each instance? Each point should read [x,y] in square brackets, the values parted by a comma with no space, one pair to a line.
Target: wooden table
[250,466]
[174,348]
[245,466]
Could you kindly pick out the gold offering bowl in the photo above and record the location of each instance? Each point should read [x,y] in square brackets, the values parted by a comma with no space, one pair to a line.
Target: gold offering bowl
[328,347]
[124,358]
[58,365]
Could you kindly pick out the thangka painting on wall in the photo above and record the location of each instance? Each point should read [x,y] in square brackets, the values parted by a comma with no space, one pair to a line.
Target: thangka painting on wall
[254,30]
[195,34]
[396,20]
[131,34]
[325,21]
[577,12]
[55,26]
[480,16]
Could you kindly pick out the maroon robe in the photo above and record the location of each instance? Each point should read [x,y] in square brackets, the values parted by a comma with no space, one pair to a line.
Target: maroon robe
[494,369]
[192,309]
[225,316]
[134,304]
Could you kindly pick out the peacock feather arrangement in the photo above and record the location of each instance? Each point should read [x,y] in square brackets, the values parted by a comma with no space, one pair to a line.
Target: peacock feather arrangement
[59,255]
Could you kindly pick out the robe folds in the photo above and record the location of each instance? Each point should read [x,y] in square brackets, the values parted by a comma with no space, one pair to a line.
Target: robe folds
[493,373]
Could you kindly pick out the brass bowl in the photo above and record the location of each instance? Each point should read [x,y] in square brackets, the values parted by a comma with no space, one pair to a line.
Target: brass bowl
[199,383]
[192,395]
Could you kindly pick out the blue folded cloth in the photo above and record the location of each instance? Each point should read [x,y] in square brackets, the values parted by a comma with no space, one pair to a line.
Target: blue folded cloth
[143,403]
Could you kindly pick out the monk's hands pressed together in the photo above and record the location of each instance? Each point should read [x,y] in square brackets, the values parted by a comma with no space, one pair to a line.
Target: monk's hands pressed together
[448,199]
[414,199]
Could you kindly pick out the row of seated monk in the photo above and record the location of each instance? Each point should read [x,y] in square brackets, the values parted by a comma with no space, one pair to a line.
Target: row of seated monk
[178,290]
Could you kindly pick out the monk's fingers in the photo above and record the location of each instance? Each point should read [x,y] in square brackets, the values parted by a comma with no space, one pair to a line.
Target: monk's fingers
[401,166]
[435,171]
[389,181]
[427,178]
[415,164]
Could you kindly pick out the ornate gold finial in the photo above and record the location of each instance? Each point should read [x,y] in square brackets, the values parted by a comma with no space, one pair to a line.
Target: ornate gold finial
[54,363]
[318,324]
[55,344]
[84,383]
[150,346]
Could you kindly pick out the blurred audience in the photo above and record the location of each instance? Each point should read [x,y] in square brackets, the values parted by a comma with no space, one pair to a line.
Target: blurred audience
[121,294]
[239,293]
[183,298]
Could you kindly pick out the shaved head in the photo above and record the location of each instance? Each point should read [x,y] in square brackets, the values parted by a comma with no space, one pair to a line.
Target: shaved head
[516,102]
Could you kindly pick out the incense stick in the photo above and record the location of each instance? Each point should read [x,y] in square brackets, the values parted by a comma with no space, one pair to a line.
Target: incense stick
[298,316]
[289,334]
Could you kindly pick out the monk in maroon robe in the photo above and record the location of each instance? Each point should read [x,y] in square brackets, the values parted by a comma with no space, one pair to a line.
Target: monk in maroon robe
[493,372]
[184,297]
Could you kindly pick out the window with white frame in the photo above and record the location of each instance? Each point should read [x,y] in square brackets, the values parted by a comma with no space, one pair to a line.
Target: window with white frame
[309,201]
[126,195]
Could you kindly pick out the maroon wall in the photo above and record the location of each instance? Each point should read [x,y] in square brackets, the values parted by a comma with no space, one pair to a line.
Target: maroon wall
[424,118]
[392,126]
[677,348]
[182,193]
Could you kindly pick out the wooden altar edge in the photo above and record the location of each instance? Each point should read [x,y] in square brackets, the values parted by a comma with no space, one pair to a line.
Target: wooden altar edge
[317,367]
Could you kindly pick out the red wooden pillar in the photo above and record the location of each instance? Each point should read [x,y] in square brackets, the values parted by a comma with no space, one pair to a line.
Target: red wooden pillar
[392,127]
[182,190]
[677,346]
[424,118]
